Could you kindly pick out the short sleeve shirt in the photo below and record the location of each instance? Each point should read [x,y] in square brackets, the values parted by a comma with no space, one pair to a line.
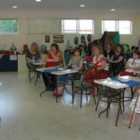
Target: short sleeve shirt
[30,55]
[133,63]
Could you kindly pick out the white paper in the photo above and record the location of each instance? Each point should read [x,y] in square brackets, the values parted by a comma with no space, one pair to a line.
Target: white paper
[13,57]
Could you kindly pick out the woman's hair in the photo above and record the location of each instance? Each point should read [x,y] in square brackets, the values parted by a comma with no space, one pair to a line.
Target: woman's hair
[109,44]
[120,46]
[34,44]
[78,49]
[81,45]
[98,48]
[55,45]
[137,52]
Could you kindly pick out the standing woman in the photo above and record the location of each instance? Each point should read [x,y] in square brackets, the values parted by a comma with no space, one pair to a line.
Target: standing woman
[53,58]
[99,63]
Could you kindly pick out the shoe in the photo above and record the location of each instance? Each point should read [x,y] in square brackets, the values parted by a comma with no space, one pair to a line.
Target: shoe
[56,94]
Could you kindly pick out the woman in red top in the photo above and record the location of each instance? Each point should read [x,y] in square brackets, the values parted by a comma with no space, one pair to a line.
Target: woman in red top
[53,58]
[99,62]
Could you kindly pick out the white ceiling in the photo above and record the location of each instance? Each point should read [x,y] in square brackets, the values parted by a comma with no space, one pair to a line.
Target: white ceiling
[95,5]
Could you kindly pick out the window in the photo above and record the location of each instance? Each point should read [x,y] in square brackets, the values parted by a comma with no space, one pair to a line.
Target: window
[82,26]
[125,27]
[122,26]
[69,26]
[8,26]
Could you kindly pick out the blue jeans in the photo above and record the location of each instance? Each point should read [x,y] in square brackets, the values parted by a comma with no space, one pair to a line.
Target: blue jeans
[64,79]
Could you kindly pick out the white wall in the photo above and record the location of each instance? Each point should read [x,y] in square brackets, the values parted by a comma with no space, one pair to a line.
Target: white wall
[25,38]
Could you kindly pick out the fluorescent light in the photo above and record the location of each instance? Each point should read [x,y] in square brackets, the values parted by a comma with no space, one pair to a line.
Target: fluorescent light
[14,7]
[113,9]
[38,0]
[82,5]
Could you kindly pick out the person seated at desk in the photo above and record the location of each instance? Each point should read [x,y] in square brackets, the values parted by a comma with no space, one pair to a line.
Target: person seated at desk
[76,62]
[81,47]
[117,60]
[53,58]
[98,61]
[90,57]
[132,65]
[33,55]
[108,52]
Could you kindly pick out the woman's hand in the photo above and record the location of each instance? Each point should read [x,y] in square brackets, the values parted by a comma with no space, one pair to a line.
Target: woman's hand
[110,61]
[136,68]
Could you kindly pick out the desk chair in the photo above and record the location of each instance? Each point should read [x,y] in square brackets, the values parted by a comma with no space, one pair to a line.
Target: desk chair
[31,74]
[81,85]
[107,95]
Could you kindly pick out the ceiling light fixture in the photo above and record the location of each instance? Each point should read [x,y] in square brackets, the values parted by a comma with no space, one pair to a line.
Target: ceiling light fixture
[81,5]
[113,9]
[38,0]
[14,7]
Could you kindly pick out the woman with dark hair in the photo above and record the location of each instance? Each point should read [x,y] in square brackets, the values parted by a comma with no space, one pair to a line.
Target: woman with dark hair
[117,60]
[108,52]
[76,62]
[132,65]
[53,58]
[81,47]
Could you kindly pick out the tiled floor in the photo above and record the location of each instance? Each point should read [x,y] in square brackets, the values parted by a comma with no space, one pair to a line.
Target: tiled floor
[26,116]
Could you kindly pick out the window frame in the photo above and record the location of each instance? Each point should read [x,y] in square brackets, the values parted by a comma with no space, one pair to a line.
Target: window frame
[117,26]
[77,31]
[12,33]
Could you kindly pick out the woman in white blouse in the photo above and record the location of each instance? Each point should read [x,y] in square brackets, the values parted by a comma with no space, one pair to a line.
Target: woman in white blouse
[132,65]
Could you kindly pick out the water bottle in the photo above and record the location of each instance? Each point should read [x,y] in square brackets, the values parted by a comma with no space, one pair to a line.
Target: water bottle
[68,44]
[33,58]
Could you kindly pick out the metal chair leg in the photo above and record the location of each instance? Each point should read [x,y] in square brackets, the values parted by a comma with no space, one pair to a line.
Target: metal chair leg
[132,93]
[94,97]
[97,103]
[86,96]
[73,95]
[81,98]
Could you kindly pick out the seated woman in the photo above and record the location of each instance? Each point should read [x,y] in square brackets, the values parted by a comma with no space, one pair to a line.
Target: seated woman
[81,47]
[132,65]
[53,58]
[32,55]
[117,60]
[76,62]
[108,52]
[98,61]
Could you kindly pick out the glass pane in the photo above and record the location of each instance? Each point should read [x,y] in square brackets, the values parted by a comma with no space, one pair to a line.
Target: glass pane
[85,26]
[0,27]
[10,26]
[109,25]
[125,27]
[69,26]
